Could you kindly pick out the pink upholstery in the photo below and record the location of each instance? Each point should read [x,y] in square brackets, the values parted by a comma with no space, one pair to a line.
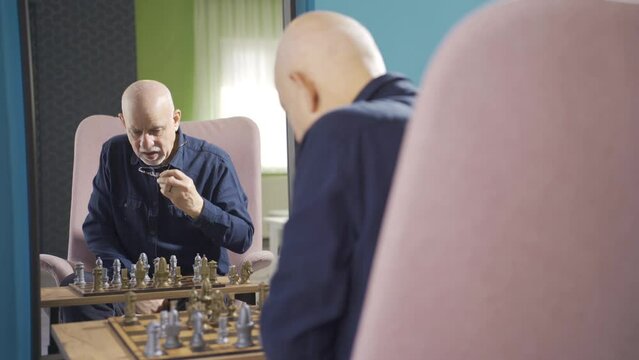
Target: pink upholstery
[238,136]
[512,228]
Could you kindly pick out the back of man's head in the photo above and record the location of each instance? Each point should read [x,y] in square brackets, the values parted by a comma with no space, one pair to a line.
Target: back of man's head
[324,60]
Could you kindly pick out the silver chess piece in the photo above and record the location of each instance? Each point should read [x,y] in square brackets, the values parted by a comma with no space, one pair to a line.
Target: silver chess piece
[197,340]
[145,260]
[173,330]
[132,281]
[164,321]
[197,269]
[117,276]
[79,274]
[222,330]
[172,266]
[244,326]
[152,347]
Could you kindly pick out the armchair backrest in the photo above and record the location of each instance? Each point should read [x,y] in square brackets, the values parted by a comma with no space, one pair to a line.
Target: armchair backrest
[238,136]
[511,230]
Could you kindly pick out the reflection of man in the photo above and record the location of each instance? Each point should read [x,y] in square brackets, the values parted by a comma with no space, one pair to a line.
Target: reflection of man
[348,116]
[162,192]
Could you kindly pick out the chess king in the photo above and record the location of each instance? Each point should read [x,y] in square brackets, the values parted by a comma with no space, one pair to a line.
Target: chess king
[161,192]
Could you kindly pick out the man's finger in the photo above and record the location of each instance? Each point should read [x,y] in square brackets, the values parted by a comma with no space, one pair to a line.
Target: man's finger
[172,173]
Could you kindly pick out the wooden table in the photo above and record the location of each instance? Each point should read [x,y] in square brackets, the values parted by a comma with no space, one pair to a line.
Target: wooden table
[96,340]
[65,296]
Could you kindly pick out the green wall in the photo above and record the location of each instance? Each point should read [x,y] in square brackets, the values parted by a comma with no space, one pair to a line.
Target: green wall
[165,50]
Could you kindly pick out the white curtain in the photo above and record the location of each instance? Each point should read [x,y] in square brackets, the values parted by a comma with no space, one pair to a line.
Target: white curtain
[235,45]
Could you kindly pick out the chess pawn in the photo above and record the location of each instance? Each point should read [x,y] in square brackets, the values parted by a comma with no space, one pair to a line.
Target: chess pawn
[244,327]
[130,318]
[98,285]
[217,305]
[164,320]
[98,262]
[79,274]
[173,331]
[140,272]
[105,278]
[152,347]
[222,330]
[124,275]
[117,279]
[213,272]
[162,273]
[177,280]
[172,266]
[233,275]
[145,261]
[205,268]
[197,340]
[132,282]
[231,309]
[197,269]
[191,307]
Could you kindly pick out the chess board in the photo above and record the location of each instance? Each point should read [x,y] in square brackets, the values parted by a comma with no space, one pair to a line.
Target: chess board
[134,337]
[186,284]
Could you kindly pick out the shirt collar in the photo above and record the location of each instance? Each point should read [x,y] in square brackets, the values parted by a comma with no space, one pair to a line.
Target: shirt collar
[370,90]
[177,160]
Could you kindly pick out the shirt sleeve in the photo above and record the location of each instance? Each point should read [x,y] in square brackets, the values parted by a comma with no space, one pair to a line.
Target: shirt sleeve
[99,227]
[225,218]
[309,291]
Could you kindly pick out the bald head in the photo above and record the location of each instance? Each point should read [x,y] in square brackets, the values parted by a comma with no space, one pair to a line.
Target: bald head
[151,121]
[324,60]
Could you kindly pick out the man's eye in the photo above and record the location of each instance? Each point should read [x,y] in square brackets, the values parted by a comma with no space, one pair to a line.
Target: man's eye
[136,132]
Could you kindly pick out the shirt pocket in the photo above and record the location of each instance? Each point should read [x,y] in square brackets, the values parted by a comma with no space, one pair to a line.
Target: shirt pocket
[132,211]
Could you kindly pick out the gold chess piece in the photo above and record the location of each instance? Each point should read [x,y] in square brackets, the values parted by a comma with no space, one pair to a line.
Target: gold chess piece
[217,306]
[247,270]
[231,309]
[161,276]
[213,272]
[125,278]
[234,277]
[262,293]
[205,268]
[140,273]
[178,277]
[98,285]
[130,318]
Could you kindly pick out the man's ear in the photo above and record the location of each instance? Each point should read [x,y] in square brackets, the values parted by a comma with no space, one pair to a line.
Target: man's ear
[308,90]
[177,116]
[122,119]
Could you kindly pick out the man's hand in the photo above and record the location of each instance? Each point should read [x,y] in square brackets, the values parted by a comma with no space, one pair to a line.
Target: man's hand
[179,188]
[148,306]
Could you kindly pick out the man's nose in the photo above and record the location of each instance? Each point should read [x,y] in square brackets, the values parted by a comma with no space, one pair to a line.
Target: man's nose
[146,141]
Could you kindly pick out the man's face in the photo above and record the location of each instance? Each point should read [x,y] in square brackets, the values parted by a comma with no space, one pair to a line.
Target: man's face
[152,136]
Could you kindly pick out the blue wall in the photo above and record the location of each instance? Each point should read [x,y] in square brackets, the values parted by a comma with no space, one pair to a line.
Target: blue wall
[15,328]
[407,31]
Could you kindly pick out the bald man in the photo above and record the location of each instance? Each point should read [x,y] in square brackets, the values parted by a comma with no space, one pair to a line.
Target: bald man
[348,116]
[162,192]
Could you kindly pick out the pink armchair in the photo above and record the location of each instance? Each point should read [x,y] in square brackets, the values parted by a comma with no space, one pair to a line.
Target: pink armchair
[512,228]
[238,136]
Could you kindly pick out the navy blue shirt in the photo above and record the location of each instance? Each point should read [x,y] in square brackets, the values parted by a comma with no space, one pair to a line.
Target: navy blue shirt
[128,214]
[345,165]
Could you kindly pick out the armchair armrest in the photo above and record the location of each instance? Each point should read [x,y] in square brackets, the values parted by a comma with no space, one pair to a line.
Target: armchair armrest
[58,268]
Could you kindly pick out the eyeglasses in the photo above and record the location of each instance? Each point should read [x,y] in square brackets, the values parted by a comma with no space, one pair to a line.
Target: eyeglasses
[154,171]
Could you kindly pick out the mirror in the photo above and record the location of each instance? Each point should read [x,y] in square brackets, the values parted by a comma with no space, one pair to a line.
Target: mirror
[216,56]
